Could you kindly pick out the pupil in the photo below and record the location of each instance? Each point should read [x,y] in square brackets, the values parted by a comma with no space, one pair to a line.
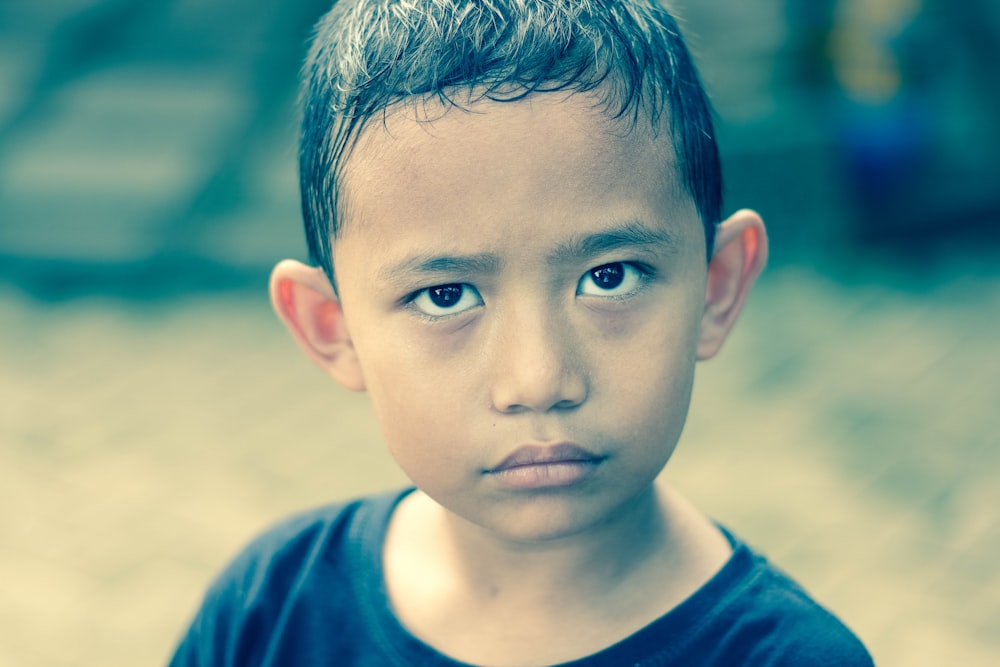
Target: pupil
[445,295]
[608,276]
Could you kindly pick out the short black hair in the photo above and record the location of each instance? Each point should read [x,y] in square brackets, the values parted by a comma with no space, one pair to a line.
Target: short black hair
[369,55]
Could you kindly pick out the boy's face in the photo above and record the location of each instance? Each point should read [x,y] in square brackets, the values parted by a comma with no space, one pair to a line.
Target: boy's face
[523,287]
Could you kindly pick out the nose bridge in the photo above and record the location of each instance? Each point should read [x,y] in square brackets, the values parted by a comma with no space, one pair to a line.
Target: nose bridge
[537,362]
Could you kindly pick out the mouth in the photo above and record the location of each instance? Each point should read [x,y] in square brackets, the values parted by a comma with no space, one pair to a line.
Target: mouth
[546,466]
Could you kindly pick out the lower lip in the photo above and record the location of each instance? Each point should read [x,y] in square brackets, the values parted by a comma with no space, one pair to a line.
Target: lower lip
[546,475]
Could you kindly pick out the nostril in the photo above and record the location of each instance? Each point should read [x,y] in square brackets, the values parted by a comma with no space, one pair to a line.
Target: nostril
[566,404]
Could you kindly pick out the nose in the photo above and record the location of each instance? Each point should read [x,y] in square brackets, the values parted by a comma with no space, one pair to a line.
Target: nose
[537,364]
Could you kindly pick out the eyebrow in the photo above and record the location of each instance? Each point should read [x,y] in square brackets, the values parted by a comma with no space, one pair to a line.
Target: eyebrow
[476,264]
[632,234]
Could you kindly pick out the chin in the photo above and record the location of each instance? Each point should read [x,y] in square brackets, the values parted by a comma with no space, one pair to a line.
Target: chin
[545,519]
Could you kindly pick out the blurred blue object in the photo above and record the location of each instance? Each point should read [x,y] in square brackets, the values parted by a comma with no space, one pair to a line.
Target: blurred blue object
[149,145]
[146,145]
[883,146]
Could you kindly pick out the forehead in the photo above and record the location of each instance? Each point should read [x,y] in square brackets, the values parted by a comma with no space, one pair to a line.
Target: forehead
[423,134]
[546,157]
[572,119]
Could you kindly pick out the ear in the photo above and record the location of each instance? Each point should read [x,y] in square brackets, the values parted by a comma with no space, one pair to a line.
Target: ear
[739,256]
[305,301]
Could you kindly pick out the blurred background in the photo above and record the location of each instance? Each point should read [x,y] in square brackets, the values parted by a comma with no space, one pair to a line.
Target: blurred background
[154,415]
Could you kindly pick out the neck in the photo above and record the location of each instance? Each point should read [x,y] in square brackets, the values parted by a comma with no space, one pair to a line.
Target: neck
[646,552]
[477,596]
[584,565]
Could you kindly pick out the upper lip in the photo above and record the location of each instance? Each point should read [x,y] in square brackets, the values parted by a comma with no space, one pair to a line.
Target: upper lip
[526,455]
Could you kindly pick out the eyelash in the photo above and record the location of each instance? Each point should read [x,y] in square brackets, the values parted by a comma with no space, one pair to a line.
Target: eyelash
[412,300]
[644,274]
[641,276]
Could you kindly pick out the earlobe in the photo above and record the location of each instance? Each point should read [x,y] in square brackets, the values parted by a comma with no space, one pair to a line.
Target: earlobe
[739,255]
[306,303]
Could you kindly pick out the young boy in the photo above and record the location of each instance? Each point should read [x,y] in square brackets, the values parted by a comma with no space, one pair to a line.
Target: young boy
[514,206]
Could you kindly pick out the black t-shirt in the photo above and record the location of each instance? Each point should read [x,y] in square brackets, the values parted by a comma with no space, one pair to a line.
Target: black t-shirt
[309,593]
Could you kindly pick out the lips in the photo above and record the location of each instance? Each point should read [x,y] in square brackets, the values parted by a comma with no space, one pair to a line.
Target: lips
[530,455]
[534,466]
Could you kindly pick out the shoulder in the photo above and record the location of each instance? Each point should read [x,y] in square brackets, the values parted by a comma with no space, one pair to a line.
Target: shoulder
[284,570]
[279,553]
[777,623]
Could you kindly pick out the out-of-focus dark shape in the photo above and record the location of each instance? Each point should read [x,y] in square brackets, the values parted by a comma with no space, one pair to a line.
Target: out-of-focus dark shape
[915,114]
[881,125]
[148,146]
[859,128]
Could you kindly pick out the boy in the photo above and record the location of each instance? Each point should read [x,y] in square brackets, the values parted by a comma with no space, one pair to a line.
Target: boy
[514,206]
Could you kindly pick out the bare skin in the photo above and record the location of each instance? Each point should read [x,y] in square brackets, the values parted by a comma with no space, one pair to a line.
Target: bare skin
[523,292]
[517,605]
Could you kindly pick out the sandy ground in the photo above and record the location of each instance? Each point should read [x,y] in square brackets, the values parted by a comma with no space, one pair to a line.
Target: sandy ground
[850,432]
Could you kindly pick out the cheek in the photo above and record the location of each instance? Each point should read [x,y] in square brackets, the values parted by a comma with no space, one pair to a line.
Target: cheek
[417,405]
[660,393]
[654,379]
[429,378]
[414,430]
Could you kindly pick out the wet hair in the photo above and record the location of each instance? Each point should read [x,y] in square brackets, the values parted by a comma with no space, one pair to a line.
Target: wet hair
[369,55]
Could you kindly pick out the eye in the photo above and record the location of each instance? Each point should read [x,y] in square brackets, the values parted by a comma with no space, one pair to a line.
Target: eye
[615,279]
[444,300]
